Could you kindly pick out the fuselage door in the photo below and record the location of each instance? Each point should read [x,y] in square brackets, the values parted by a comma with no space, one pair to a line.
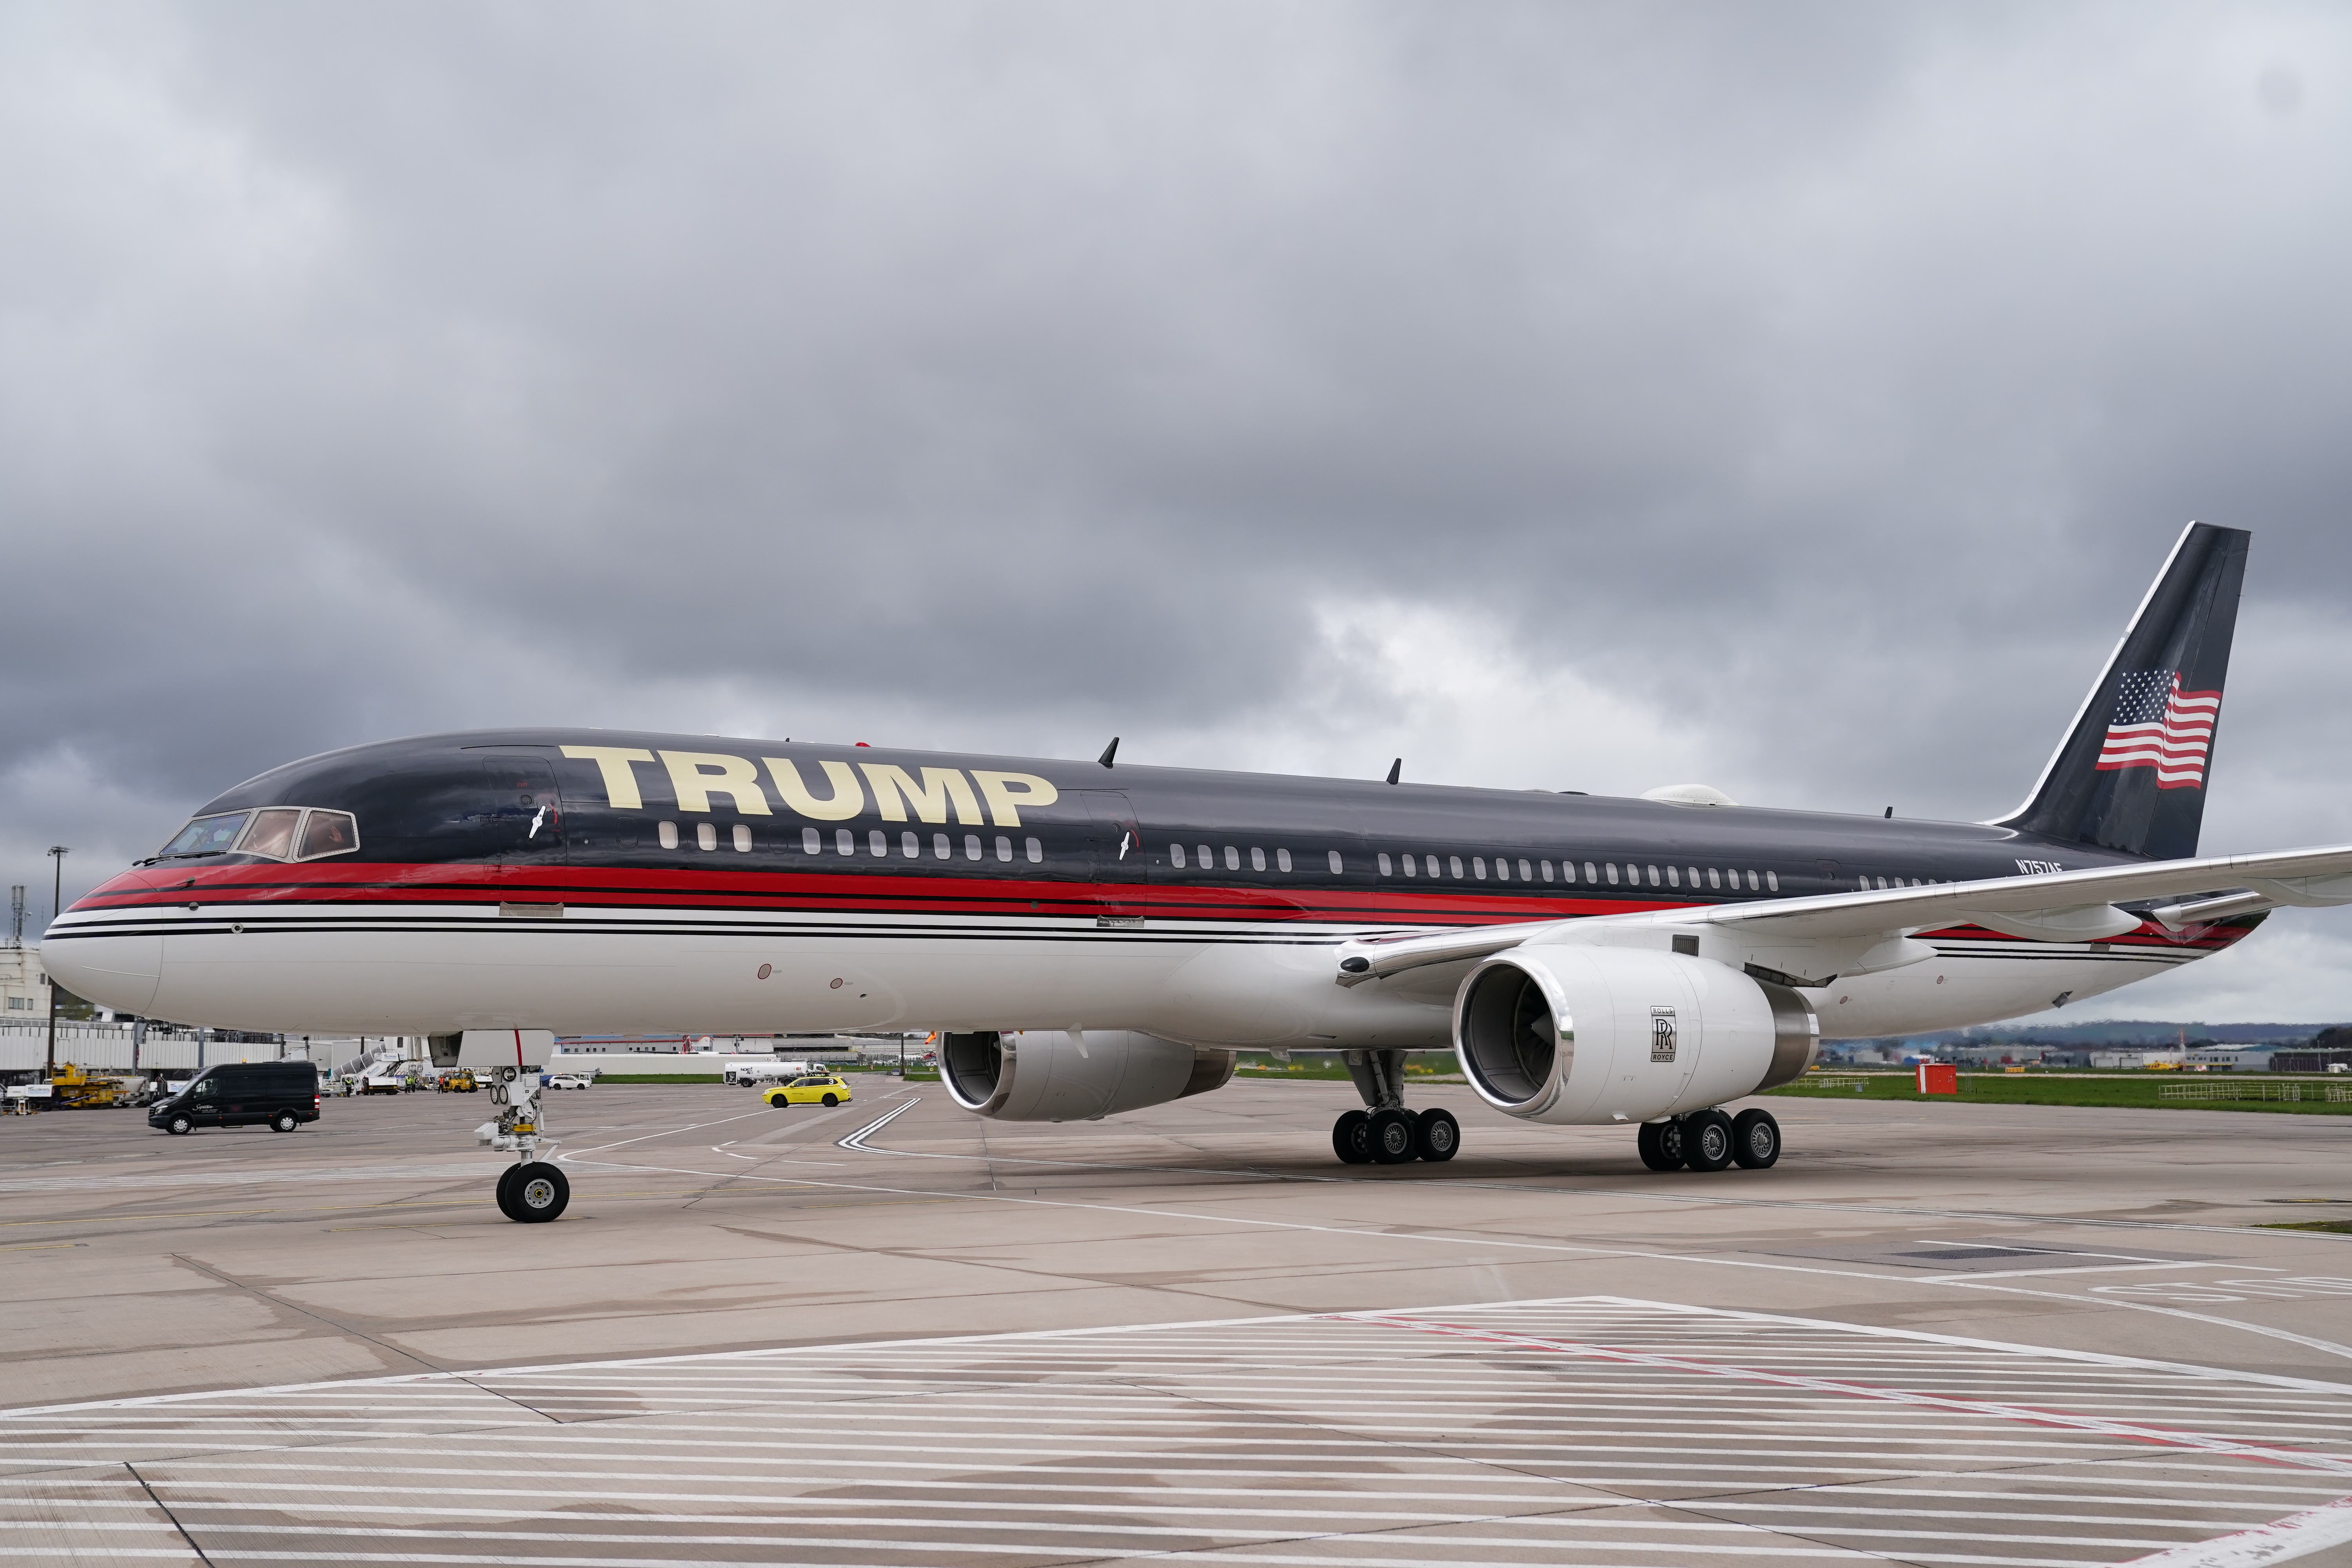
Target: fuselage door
[1115,853]
[521,820]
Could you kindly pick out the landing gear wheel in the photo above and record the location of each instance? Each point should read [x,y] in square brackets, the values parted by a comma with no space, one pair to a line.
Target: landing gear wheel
[283,1121]
[1391,1134]
[1438,1136]
[1754,1140]
[1660,1143]
[179,1126]
[505,1191]
[539,1193]
[1707,1141]
[1350,1138]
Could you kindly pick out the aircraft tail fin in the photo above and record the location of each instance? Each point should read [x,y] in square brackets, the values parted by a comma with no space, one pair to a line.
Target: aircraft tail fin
[2130,775]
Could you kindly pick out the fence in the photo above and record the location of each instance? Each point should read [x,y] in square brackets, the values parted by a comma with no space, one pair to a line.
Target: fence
[2238,1089]
[107,1048]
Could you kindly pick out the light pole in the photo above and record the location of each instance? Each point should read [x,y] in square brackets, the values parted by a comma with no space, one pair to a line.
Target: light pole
[57,853]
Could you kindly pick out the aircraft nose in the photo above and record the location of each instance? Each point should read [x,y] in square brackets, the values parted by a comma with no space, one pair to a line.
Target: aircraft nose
[119,971]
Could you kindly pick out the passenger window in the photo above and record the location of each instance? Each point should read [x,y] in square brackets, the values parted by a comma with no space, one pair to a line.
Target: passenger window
[1282,860]
[1232,858]
[742,838]
[1338,868]
[1478,867]
[1693,872]
[1387,868]
[1714,877]
[940,849]
[1612,870]
[271,834]
[1257,860]
[1526,877]
[877,843]
[971,846]
[1653,875]
[667,833]
[845,841]
[1412,863]
[706,836]
[1208,860]
[810,843]
[1772,880]
[1454,863]
[1751,881]
[910,846]
[1591,877]
[1037,850]
[328,833]
[1547,869]
[1176,856]
[1003,848]
[1502,869]
[1673,880]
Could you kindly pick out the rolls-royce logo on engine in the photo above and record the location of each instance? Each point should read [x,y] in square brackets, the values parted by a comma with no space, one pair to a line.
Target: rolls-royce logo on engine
[1662,1034]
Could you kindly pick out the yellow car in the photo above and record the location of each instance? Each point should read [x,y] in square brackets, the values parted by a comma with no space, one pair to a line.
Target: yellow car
[816,1088]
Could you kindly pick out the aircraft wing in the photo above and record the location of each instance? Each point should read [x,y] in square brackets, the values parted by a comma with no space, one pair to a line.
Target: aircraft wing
[2060,906]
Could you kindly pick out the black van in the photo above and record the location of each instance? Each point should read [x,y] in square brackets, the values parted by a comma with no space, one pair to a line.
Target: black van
[283,1094]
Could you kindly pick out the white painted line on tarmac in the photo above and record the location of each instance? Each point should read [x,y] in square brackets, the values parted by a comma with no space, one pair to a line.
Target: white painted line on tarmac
[2280,1542]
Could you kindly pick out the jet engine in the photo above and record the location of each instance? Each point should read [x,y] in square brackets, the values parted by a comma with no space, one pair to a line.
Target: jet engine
[1074,1076]
[1568,1034]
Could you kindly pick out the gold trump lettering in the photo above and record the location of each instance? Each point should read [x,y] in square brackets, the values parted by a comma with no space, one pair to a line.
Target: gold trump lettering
[698,775]
[895,790]
[1007,793]
[620,779]
[848,796]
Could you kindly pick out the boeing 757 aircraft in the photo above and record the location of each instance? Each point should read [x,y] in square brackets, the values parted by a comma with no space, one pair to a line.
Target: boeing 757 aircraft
[1091,938]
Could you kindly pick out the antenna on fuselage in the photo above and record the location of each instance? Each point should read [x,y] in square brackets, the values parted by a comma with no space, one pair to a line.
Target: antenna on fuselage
[1395,768]
[1109,752]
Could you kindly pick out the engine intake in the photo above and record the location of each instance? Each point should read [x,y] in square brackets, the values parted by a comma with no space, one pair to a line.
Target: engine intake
[1564,1034]
[1042,1076]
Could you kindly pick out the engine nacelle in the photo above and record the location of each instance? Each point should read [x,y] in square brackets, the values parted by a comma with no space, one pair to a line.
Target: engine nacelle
[1567,1033]
[1046,1076]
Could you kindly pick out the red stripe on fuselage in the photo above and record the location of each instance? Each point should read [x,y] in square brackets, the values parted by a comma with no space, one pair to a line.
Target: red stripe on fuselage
[900,893]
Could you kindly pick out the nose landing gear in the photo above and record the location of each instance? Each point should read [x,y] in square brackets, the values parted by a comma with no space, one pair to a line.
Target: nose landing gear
[531,1190]
[1385,1132]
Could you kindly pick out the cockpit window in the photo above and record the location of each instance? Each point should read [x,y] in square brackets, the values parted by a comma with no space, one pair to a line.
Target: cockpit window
[278,832]
[328,833]
[207,835]
[272,834]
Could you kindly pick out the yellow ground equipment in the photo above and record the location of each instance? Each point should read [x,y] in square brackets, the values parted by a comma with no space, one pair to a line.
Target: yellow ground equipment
[458,1082]
[74,1089]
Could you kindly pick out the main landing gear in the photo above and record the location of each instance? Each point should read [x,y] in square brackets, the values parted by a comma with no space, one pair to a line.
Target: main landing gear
[531,1190]
[1384,1133]
[1710,1140]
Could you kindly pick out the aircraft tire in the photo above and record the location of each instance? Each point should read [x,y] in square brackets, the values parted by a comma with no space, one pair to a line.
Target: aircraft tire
[1392,1134]
[1437,1137]
[1660,1143]
[541,1192]
[1756,1140]
[1707,1143]
[179,1127]
[1350,1138]
[505,1191]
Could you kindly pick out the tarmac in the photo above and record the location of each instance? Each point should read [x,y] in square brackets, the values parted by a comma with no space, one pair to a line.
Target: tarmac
[892,1332]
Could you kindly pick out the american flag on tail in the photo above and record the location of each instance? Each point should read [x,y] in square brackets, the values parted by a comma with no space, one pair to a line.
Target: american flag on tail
[2158,725]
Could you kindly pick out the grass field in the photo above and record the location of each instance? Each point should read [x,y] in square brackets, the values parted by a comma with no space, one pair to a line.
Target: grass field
[2137,1090]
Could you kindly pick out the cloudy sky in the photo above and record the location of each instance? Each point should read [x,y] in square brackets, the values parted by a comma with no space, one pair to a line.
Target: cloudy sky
[1791,398]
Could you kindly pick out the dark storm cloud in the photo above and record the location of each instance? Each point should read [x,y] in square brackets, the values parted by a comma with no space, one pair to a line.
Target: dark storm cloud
[1816,387]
